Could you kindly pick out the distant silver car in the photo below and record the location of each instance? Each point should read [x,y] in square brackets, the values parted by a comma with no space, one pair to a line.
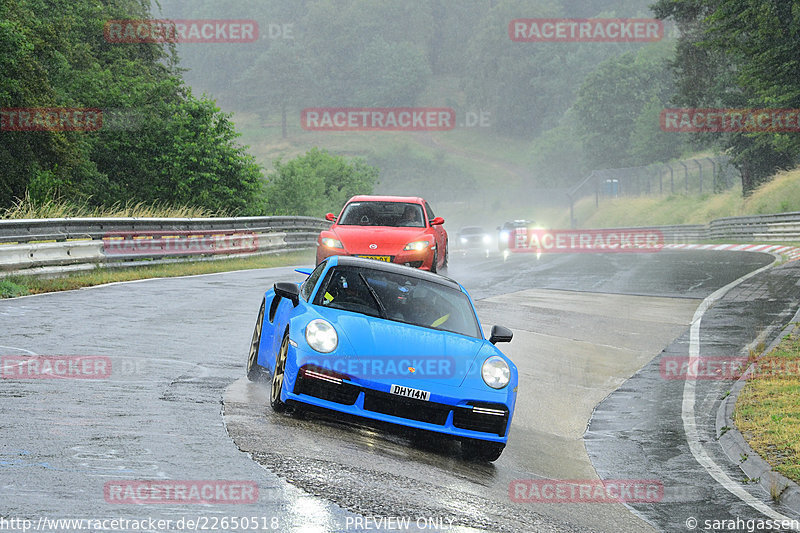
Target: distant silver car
[474,238]
[504,232]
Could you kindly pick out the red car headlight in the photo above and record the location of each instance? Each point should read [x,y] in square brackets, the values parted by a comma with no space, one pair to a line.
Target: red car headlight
[417,246]
[329,242]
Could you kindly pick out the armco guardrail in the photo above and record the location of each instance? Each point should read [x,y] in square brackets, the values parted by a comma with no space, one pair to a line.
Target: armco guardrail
[781,227]
[777,227]
[26,245]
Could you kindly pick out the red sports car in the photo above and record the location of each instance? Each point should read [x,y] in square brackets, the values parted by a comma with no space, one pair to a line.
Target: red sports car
[395,229]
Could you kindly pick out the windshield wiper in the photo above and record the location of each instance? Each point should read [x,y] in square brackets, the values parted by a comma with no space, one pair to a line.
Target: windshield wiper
[374,294]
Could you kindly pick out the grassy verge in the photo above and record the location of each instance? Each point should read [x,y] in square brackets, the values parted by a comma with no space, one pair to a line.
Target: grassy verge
[768,408]
[23,285]
[780,195]
[26,208]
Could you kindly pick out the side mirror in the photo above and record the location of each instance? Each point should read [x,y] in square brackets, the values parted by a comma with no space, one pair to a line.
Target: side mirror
[290,291]
[331,217]
[438,221]
[500,334]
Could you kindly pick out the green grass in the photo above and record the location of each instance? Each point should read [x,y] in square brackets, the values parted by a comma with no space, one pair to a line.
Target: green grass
[11,289]
[768,408]
[26,208]
[779,195]
[22,285]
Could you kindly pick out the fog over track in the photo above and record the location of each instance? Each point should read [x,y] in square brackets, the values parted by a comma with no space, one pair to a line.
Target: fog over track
[176,405]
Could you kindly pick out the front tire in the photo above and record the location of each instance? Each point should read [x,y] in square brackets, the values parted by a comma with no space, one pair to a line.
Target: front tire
[254,371]
[481,450]
[435,261]
[276,389]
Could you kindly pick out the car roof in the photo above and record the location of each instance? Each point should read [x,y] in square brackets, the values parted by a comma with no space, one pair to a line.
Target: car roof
[370,198]
[517,223]
[410,272]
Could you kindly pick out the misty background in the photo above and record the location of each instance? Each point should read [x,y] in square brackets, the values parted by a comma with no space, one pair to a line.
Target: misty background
[217,125]
[551,112]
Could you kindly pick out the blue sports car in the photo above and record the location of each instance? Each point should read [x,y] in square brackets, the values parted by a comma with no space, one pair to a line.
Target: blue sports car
[389,343]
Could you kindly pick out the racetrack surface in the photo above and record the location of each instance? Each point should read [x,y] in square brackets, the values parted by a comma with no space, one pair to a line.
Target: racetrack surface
[583,324]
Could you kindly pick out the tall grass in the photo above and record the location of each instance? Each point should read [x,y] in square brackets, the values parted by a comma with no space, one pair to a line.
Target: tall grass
[27,208]
[779,195]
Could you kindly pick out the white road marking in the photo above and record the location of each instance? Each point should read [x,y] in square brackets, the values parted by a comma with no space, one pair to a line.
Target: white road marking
[18,349]
[687,414]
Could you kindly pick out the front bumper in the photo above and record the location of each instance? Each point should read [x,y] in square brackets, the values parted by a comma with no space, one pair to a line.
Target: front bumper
[422,259]
[481,416]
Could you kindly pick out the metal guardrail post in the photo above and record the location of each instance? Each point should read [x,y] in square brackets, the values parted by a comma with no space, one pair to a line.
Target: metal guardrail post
[686,174]
[713,174]
[700,169]
[671,178]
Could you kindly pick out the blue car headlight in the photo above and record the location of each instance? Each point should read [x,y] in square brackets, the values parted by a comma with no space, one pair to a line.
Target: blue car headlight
[495,372]
[321,336]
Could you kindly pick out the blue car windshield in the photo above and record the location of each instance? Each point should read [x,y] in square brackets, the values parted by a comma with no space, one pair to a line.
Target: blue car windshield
[398,298]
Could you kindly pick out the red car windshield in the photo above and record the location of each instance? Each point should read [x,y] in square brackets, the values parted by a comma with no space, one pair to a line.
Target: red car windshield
[392,214]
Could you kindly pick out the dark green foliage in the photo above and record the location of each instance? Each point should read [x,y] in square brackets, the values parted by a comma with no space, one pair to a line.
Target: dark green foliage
[618,107]
[158,142]
[316,183]
[740,53]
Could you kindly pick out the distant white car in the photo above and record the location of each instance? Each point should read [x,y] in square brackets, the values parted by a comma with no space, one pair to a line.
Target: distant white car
[504,232]
[474,238]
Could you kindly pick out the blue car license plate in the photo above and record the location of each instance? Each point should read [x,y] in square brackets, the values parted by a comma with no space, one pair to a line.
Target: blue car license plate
[408,392]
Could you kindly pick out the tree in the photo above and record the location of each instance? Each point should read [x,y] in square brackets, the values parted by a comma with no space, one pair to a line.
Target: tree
[738,54]
[317,182]
[54,54]
[613,97]
[280,78]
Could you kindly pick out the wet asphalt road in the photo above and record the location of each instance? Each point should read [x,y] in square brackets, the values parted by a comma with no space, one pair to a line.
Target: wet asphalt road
[177,346]
[638,432]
